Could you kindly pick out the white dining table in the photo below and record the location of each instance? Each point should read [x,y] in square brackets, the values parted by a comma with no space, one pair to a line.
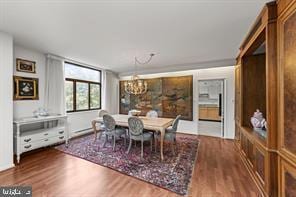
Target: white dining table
[153,124]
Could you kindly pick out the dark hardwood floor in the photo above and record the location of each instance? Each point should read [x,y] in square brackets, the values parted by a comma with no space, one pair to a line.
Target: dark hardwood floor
[219,171]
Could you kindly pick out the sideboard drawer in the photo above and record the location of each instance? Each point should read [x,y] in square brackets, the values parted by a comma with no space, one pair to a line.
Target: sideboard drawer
[33,137]
[42,143]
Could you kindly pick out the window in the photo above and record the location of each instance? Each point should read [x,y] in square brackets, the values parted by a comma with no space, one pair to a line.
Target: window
[82,88]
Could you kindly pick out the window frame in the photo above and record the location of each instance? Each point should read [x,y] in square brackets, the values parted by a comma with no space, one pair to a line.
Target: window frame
[74,81]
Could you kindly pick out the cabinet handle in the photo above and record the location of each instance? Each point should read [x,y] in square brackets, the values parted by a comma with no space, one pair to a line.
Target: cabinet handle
[45,133]
[27,140]
[61,132]
[28,146]
[46,140]
[62,137]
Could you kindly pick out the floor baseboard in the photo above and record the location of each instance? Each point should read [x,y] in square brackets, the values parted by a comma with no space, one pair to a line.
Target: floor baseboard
[6,167]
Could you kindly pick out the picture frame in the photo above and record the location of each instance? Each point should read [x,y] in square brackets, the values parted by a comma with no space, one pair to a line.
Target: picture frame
[27,66]
[25,88]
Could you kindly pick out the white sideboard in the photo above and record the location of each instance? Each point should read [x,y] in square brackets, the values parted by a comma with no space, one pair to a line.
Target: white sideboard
[53,130]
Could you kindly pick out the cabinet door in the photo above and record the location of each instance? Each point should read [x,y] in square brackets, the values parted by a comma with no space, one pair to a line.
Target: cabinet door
[260,164]
[213,113]
[203,89]
[203,113]
[287,179]
[287,77]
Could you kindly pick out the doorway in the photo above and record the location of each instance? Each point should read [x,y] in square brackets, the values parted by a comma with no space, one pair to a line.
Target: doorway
[211,107]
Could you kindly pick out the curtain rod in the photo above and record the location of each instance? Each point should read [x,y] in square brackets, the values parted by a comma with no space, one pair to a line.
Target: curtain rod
[72,61]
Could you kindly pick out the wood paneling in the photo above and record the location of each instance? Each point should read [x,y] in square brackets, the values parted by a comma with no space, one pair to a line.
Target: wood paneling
[287,179]
[254,87]
[260,164]
[274,157]
[290,185]
[259,90]
[287,100]
[237,93]
[289,69]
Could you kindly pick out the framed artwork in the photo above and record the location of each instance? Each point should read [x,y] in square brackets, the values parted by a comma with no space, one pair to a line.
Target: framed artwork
[25,66]
[177,97]
[169,96]
[25,88]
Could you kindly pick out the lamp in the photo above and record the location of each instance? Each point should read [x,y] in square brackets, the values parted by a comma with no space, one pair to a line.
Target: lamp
[136,85]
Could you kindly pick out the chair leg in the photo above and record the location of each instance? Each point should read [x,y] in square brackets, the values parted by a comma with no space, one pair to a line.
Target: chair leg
[105,141]
[95,132]
[129,146]
[114,138]
[176,146]
[100,135]
[125,136]
[155,144]
[172,146]
[142,148]
[151,144]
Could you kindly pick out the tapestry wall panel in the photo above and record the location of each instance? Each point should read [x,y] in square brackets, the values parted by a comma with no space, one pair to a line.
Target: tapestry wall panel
[169,96]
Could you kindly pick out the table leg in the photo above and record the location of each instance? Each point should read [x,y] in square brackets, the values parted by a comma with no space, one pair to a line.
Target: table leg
[162,132]
[94,128]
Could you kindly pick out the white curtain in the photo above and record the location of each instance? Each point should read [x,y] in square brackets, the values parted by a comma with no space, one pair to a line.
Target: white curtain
[110,92]
[54,86]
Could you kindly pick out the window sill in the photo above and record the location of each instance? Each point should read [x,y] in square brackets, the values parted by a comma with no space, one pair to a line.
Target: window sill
[80,112]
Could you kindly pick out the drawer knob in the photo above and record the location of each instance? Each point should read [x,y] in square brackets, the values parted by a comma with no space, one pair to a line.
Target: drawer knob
[46,140]
[27,140]
[61,132]
[62,137]
[28,146]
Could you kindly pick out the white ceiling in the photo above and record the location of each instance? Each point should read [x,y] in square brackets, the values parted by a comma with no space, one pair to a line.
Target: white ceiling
[110,33]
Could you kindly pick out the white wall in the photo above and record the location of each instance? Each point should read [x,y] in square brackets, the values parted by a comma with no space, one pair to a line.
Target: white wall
[226,73]
[6,105]
[24,108]
[80,121]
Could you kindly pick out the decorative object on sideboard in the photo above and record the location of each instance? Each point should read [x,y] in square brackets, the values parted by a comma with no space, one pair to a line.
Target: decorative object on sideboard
[258,121]
[25,66]
[136,85]
[25,88]
[40,112]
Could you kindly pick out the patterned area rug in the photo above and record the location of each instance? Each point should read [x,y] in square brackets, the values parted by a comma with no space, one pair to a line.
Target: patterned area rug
[174,173]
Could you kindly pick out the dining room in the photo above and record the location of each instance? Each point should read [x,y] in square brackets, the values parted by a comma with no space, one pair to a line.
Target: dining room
[154,134]
[147,98]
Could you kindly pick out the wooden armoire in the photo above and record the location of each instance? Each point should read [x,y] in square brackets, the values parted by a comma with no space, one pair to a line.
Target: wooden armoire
[266,80]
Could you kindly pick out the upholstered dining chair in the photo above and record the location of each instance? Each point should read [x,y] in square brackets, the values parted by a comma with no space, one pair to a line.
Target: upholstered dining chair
[111,130]
[101,127]
[152,114]
[136,133]
[170,134]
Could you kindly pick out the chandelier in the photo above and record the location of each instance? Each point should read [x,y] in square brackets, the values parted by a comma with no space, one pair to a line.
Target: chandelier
[136,85]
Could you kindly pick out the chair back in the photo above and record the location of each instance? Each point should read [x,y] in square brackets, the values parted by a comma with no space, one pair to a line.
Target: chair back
[152,114]
[175,123]
[109,122]
[135,125]
[102,112]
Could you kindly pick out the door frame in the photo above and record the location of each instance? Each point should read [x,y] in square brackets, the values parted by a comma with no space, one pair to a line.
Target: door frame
[224,109]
